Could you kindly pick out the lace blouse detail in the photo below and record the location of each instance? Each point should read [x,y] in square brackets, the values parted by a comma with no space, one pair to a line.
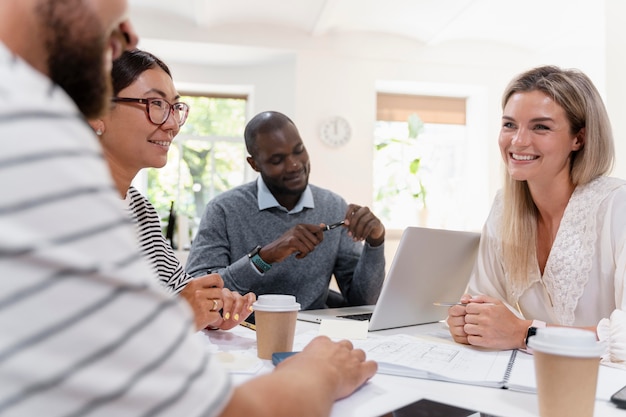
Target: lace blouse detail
[570,261]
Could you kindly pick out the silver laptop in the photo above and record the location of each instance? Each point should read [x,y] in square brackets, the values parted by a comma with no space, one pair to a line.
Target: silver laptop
[430,265]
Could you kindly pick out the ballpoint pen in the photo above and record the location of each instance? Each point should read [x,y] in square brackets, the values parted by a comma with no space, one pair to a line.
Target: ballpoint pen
[444,304]
[248,325]
[333,226]
[449,304]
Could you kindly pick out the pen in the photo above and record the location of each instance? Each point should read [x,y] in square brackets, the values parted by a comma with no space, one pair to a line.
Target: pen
[248,325]
[449,304]
[443,304]
[332,226]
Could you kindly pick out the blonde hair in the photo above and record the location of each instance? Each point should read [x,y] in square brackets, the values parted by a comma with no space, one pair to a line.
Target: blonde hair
[585,111]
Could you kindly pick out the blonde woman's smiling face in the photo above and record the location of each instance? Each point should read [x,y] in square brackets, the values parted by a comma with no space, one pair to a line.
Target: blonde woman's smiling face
[535,140]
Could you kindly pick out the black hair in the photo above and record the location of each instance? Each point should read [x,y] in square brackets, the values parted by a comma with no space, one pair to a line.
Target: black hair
[130,65]
[265,122]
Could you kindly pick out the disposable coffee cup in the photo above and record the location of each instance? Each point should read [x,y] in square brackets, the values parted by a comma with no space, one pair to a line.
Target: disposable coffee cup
[566,369]
[275,319]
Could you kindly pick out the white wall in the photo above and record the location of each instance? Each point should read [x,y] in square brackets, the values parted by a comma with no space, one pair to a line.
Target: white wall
[313,79]
[615,79]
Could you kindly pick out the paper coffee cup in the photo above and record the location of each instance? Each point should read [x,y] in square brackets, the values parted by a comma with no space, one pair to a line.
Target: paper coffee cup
[566,369]
[275,319]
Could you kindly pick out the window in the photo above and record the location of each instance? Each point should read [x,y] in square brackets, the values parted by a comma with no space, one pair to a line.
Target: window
[207,157]
[420,161]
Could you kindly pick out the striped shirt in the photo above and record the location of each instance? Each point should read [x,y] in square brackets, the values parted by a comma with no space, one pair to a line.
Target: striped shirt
[85,328]
[153,244]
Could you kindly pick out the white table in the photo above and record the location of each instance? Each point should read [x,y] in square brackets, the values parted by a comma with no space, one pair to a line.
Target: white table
[384,393]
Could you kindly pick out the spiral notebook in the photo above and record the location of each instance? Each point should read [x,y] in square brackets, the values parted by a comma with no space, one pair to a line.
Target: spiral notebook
[405,355]
[441,359]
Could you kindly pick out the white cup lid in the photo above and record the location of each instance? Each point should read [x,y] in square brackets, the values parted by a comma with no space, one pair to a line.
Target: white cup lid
[276,302]
[566,341]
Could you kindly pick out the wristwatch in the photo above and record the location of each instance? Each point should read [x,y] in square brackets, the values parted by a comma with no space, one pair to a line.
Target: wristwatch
[532,330]
[259,263]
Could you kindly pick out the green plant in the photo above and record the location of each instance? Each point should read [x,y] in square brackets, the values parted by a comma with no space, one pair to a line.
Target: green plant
[408,178]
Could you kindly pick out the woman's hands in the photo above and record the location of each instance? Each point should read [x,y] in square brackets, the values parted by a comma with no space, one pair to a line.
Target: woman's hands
[485,321]
[215,306]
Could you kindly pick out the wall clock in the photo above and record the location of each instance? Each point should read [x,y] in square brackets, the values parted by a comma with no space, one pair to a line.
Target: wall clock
[335,131]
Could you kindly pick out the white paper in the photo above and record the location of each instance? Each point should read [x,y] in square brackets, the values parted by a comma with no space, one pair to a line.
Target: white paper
[344,329]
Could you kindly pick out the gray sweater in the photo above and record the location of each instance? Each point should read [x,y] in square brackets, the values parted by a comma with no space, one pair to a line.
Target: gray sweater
[233,225]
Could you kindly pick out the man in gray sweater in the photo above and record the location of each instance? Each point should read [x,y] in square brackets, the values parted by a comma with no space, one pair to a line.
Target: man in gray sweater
[269,236]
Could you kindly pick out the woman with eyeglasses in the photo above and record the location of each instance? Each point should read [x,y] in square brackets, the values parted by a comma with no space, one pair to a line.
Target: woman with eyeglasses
[145,117]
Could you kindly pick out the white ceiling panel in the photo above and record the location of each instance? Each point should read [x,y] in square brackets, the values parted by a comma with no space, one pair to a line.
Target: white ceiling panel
[528,24]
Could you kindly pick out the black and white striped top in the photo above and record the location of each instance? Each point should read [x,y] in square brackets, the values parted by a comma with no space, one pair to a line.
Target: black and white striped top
[153,244]
[85,328]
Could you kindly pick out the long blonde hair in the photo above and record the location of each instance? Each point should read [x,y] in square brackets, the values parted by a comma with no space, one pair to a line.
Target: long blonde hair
[584,109]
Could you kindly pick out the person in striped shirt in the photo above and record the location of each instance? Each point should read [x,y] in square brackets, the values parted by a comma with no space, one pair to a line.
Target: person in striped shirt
[145,117]
[85,328]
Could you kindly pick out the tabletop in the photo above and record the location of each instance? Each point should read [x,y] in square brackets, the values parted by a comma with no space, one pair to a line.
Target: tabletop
[385,393]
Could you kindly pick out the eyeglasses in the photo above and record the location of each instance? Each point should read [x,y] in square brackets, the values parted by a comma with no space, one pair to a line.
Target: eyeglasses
[159,109]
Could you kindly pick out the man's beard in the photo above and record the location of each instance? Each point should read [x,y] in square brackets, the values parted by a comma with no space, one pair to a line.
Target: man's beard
[76,48]
[287,191]
[279,189]
[82,76]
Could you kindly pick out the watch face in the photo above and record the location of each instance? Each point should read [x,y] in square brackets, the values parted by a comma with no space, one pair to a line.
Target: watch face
[335,131]
[532,331]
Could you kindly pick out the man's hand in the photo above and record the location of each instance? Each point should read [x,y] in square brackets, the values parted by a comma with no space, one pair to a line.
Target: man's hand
[307,384]
[300,239]
[340,367]
[362,224]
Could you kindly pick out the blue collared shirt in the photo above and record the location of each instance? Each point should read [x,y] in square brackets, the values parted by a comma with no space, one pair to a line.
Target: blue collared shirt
[267,200]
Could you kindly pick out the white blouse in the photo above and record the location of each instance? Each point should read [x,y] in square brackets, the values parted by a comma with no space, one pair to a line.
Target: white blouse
[583,280]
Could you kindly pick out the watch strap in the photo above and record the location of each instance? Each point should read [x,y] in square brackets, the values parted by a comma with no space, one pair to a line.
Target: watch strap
[532,330]
[257,261]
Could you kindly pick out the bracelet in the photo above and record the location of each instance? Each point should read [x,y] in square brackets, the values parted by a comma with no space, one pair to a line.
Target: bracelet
[258,262]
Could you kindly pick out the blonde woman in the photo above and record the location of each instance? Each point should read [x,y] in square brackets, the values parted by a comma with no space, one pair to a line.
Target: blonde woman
[553,247]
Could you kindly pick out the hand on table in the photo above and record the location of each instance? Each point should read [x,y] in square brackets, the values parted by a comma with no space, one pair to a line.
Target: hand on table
[207,297]
[342,368]
[486,322]
[306,384]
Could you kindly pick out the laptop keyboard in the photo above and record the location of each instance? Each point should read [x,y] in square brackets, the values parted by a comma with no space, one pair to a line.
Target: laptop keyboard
[360,317]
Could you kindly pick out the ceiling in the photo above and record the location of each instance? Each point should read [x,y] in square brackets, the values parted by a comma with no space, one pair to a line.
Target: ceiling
[236,27]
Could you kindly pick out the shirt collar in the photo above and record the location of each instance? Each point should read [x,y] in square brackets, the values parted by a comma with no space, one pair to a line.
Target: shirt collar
[267,200]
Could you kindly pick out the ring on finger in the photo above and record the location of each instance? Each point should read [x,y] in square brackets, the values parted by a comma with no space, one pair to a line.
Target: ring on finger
[215,304]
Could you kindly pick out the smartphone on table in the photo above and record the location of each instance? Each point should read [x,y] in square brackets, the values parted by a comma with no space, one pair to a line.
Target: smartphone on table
[619,398]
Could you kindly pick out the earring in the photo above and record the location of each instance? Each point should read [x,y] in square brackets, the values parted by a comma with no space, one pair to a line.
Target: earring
[99,132]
